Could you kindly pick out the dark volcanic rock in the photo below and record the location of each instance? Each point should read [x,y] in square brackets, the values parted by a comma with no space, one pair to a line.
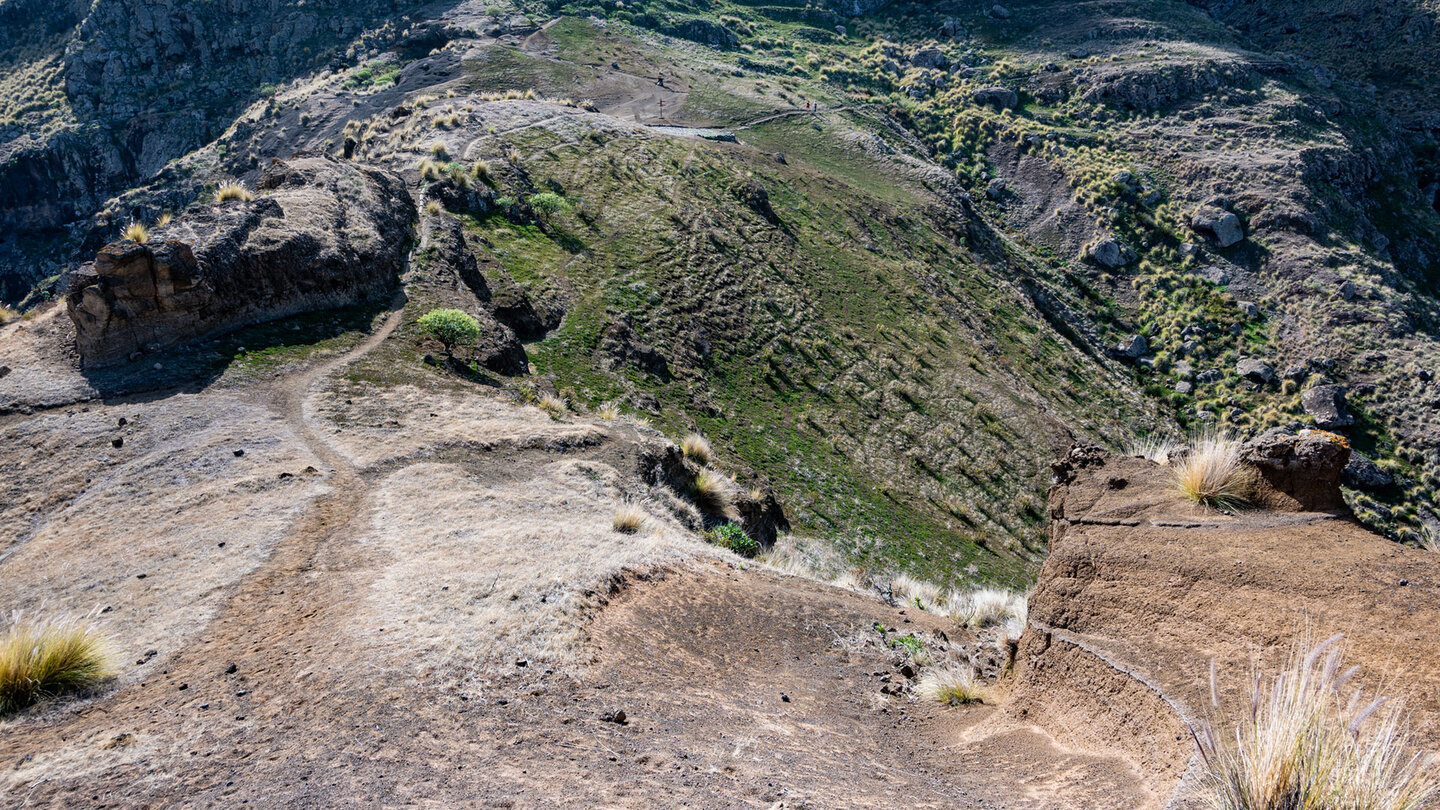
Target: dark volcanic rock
[762,518]
[703,31]
[625,346]
[1222,226]
[997,96]
[1299,472]
[1362,473]
[1326,404]
[328,234]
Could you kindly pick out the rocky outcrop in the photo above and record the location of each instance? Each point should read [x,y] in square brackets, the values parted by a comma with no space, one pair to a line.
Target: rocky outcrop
[856,8]
[1298,471]
[1143,589]
[706,32]
[447,274]
[322,234]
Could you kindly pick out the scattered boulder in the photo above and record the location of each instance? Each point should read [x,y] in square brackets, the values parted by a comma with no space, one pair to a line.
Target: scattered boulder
[757,199]
[952,28]
[329,233]
[999,12]
[1326,405]
[1256,371]
[1298,472]
[1214,275]
[1362,473]
[1249,308]
[1221,225]
[1296,372]
[1107,252]
[1133,347]
[996,188]
[930,58]
[1347,290]
[1002,97]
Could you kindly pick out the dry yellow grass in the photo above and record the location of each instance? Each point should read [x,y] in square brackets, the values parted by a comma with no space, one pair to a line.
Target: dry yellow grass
[697,448]
[710,489]
[628,519]
[953,685]
[42,659]
[609,411]
[165,219]
[553,405]
[1307,740]
[233,190]
[1213,474]
[990,607]
[136,232]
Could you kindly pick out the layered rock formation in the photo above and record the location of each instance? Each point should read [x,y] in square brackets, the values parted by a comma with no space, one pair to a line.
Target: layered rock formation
[1143,589]
[323,234]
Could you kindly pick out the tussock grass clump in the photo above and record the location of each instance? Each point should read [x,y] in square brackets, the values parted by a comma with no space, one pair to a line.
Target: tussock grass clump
[609,411]
[1213,473]
[1307,740]
[233,190]
[42,659]
[697,448]
[710,489]
[136,232]
[440,150]
[7,315]
[165,219]
[434,208]
[1158,450]
[628,519]
[553,405]
[991,607]
[915,591]
[953,685]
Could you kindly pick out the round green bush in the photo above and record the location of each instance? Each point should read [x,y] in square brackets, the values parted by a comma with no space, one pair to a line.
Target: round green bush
[731,536]
[547,204]
[451,327]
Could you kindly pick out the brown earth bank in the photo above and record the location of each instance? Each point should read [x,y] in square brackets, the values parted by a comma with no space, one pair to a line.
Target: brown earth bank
[1143,589]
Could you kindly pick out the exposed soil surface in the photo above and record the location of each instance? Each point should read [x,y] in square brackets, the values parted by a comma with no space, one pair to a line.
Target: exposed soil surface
[417,616]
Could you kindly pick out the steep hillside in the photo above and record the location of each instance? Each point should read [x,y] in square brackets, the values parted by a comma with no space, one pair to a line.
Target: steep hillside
[1003,229]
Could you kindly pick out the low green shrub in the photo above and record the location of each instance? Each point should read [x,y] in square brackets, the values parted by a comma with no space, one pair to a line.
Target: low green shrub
[731,536]
[451,327]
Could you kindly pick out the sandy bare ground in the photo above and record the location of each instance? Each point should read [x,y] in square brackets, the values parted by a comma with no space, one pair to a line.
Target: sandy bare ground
[419,601]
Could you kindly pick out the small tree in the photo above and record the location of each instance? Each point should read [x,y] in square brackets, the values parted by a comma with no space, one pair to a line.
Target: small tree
[451,327]
[548,204]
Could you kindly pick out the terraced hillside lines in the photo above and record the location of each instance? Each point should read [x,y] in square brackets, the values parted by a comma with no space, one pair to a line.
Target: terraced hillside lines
[846,346]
